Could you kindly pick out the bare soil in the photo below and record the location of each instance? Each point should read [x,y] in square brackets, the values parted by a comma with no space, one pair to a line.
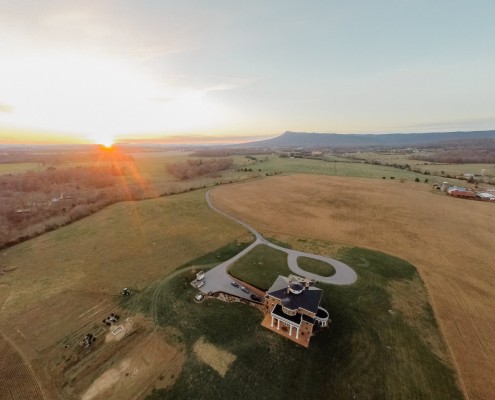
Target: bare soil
[151,360]
[218,359]
[449,240]
[126,365]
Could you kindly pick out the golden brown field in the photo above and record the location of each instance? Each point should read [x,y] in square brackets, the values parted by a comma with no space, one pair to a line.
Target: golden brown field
[60,286]
[449,240]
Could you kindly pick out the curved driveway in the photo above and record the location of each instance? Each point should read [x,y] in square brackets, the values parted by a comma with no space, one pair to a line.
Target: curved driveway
[218,280]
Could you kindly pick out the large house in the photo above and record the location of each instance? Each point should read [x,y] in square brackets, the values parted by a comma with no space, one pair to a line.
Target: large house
[293,308]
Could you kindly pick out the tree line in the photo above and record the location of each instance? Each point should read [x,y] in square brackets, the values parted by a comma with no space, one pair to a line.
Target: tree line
[227,152]
[460,152]
[54,156]
[35,202]
[191,169]
[459,156]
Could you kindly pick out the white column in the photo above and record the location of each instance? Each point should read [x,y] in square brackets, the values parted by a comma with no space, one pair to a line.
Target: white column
[290,330]
[297,333]
[278,324]
[272,321]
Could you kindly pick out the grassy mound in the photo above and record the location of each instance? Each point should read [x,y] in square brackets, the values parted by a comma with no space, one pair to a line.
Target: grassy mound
[383,342]
[261,266]
[315,266]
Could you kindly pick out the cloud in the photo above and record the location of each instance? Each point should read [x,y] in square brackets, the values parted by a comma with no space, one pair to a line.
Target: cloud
[6,108]
[193,139]
[482,123]
[93,27]
[177,91]
[231,84]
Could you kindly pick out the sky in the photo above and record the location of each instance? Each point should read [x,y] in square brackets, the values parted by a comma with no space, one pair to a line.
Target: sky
[225,70]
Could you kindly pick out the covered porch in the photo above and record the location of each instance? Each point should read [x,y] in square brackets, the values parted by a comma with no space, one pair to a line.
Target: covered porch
[289,329]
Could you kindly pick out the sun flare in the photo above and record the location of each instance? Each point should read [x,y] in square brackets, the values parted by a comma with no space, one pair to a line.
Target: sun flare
[105,141]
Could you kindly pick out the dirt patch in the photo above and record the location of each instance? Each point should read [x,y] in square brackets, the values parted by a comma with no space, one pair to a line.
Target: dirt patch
[107,380]
[65,317]
[117,332]
[218,359]
[152,362]
[5,270]
[449,240]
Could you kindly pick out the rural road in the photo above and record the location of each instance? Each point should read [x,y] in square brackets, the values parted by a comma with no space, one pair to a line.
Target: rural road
[218,280]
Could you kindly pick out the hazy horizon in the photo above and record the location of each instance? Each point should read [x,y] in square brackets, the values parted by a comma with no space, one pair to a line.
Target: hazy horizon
[86,72]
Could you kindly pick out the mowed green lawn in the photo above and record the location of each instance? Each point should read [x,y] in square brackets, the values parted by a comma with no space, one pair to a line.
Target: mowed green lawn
[259,266]
[263,263]
[383,342]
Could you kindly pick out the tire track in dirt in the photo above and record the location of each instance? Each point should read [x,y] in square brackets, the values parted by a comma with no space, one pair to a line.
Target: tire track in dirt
[4,293]
[158,290]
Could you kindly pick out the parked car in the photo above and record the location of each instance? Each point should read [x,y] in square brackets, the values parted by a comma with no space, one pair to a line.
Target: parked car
[255,298]
[245,290]
[235,284]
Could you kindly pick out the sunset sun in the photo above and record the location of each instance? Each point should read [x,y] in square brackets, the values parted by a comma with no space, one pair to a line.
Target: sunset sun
[105,141]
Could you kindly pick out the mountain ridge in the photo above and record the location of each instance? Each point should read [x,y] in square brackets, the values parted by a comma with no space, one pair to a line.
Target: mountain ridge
[313,139]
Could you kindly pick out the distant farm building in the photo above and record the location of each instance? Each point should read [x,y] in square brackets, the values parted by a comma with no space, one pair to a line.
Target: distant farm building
[456,191]
[485,196]
[294,310]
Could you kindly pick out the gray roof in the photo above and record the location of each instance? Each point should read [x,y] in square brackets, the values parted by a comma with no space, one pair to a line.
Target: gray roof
[309,299]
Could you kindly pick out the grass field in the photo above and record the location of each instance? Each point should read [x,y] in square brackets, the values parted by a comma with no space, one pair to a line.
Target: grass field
[449,240]
[60,285]
[103,253]
[16,168]
[354,169]
[435,169]
[80,269]
[383,342]
[315,266]
[263,263]
[259,266]
[151,167]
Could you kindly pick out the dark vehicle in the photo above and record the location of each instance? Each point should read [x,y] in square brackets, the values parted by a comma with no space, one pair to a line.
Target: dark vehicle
[235,284]
[255,298]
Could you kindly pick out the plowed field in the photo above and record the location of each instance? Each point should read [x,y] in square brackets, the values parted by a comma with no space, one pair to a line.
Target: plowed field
[17,380]
[449,240]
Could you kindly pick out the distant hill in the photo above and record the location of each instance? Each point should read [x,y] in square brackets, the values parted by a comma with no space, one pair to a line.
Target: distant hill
[337,140]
